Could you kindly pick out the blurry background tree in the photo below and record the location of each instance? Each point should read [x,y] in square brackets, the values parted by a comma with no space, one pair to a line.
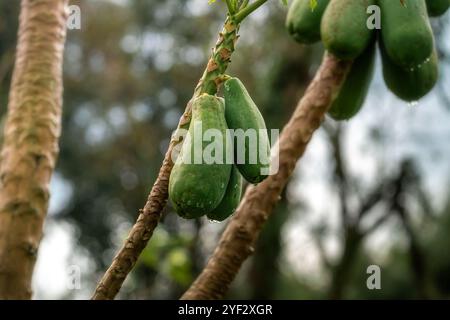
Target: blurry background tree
[30,141]
[129,72]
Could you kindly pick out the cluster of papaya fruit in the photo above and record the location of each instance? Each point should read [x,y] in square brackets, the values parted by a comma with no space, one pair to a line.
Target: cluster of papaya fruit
[406,41]
[207,176]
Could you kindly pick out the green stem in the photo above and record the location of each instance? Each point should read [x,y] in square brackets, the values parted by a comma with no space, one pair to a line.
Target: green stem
[231,7]
[218,63]
[242,14]
[243,4]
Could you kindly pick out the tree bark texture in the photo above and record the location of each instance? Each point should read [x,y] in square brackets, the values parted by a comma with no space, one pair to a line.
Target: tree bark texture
[238,240]
[30,145]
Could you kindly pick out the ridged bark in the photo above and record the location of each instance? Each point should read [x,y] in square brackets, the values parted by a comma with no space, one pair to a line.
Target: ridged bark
[30,144]
[238,240]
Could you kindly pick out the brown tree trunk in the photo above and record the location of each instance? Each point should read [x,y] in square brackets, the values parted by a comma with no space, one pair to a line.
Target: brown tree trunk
[30,144]
[239,238]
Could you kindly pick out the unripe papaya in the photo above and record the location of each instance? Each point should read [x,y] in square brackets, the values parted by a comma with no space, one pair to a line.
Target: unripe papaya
[410,84]
[198,181]
[437,7]
[231,198]
[251,142]
[354,90]
[344,28]
[303,22]
[406,31]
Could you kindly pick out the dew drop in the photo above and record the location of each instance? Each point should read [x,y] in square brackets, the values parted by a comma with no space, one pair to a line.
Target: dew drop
[213,221]
[413,104]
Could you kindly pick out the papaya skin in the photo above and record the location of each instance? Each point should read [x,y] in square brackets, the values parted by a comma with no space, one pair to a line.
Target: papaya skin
[406,32]
[231,199]
[303,23]
[410,84]
[196,189]
[437,8]
[344,29]
[242,114]
[353,93]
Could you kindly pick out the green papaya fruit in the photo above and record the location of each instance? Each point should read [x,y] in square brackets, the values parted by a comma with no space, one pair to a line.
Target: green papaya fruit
[303,22]
[250,139]
[354,90]
[410,84]
[344,28]
[200,174]
[406,32]
[437,7]
[231,198]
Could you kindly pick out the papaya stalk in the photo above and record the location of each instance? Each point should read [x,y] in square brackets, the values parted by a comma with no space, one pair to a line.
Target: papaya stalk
[149,216]
[238,240]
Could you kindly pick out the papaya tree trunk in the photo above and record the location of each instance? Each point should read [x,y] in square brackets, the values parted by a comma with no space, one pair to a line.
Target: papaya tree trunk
[30,144]
[238,240]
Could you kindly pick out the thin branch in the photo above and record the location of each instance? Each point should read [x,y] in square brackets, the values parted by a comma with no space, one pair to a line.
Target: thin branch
[418,263]
[340,171]
[241,15]
[371,201]
[317,236]
[148,219]
[238,240]
[343,270]
[243,4]
[377,223]
[393,192]
[230,6]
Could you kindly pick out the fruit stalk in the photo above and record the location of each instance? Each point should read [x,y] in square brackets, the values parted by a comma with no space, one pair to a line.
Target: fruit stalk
[149,216]
[238,240]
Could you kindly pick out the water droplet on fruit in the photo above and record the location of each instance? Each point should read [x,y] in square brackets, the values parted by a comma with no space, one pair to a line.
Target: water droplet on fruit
[413,103]
[213,221]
